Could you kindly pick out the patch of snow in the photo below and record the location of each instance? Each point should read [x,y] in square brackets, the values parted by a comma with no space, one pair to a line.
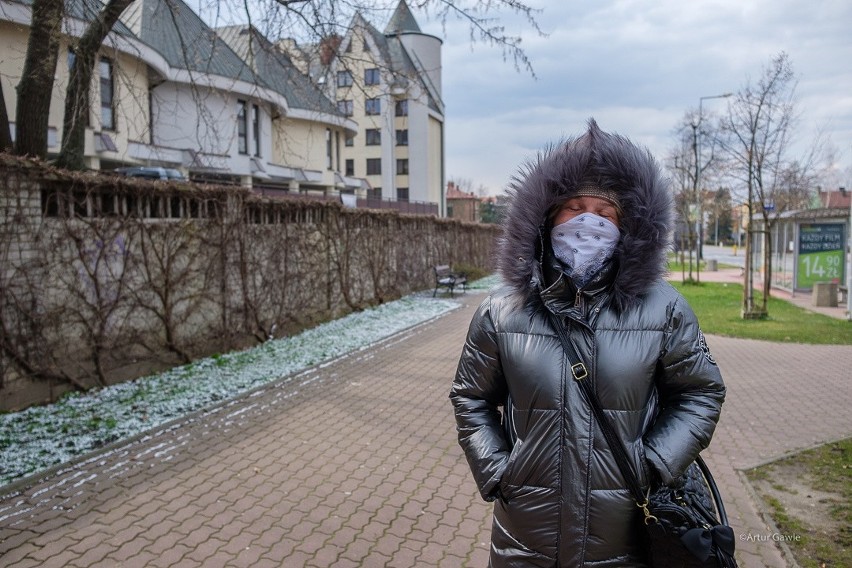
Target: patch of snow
[41,437]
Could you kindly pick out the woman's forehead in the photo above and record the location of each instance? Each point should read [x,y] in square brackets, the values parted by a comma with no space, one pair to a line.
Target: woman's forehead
[588,200]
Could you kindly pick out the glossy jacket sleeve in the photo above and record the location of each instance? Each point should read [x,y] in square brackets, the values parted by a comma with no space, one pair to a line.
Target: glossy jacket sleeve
[691,393]
[478,392]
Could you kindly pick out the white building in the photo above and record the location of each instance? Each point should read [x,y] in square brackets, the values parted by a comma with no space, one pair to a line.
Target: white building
[171,92]
[390,84]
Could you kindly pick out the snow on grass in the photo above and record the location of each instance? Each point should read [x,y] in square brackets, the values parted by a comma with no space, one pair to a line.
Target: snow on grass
[41,437]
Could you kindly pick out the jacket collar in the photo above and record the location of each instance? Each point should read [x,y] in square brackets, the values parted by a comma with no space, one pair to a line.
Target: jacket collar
[560,295]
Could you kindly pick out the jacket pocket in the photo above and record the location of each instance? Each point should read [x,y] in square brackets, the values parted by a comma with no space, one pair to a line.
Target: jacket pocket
[506,478]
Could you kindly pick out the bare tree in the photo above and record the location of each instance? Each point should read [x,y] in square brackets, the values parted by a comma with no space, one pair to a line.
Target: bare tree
[720,213]
[77,94]
[315,20]
[312,21]
[692,167]
[36,85]
[756,138]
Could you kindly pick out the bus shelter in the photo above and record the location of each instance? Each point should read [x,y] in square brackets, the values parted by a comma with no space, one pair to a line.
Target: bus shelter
[809,246]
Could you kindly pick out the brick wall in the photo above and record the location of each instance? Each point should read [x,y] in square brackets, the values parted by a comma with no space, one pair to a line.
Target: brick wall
[105,279]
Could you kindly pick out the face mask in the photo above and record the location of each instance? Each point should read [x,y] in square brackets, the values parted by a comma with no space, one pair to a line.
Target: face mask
[584,243]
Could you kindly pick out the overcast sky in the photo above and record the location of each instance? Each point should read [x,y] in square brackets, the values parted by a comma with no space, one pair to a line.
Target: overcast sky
[636,66]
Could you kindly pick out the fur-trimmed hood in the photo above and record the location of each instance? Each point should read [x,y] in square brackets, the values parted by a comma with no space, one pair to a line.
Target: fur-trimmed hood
[618,164]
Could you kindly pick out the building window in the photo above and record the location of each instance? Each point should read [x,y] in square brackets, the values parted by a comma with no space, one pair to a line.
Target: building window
[328,148]
[350,167]
[345,107]
[255,128]
[402,194]
[402,137]
[374,166]
[344,79]
[373,106]
[374,193]
[402,108]
[374,137]
[337,151]
[350,141]
[242,127]
[371,76]
[107,93]
[402,167]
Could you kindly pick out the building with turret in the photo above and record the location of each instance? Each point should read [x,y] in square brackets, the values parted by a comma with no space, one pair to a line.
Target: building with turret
[389,83]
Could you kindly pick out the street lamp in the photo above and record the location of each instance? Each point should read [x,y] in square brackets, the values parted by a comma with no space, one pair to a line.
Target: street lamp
[698,196]
[849,259]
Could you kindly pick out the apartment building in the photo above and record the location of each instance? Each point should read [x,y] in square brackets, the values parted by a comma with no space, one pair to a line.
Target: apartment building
[390,84]
[171,92]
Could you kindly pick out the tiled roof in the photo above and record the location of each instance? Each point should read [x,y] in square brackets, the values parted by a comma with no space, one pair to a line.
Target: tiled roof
[402,20]
[185,41]
[453,193]
[276,69]
[831,199]
[85,10]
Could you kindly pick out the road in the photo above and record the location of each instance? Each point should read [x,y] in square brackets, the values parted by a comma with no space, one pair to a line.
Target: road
[725,255]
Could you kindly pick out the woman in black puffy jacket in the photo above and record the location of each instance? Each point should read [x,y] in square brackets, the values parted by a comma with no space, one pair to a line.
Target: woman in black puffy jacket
[585,242]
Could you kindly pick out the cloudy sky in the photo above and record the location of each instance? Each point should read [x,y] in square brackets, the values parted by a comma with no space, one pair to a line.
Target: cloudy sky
[636,66]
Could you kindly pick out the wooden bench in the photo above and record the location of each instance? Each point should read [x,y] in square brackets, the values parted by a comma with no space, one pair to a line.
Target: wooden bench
[446,278]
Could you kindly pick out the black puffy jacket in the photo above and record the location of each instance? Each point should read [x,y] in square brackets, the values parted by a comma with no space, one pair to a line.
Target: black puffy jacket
[528,433]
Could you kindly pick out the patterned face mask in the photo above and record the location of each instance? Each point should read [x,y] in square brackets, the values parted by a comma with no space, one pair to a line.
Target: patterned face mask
[584,244]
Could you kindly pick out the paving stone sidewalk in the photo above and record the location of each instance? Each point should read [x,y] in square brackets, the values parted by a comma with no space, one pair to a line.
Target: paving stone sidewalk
[356,464]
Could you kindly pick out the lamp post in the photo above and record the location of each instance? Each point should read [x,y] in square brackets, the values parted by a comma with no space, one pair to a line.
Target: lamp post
[698,195]
[848,258]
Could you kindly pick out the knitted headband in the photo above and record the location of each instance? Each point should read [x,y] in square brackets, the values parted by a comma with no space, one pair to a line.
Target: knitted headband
[591,189]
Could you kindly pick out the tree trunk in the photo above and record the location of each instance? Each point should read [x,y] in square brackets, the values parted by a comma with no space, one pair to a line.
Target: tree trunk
[767,263]
[76,111]
[5,133]
[36,85]
[77,100]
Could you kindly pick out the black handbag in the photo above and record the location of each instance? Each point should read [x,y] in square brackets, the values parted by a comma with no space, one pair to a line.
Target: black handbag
[686,525]
[684,529]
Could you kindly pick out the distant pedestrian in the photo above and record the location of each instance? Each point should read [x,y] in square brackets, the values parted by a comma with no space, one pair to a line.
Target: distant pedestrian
[584,247]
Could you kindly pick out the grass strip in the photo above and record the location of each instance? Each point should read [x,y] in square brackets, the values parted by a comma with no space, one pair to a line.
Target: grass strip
[718,307]
[822,531]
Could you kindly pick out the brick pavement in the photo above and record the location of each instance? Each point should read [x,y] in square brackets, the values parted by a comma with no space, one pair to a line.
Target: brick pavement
[356,464]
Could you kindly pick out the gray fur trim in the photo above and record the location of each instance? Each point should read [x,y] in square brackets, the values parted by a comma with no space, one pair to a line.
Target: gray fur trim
[553,176]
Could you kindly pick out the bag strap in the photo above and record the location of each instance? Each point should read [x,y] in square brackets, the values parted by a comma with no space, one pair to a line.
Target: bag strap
[714,489]
[581,376]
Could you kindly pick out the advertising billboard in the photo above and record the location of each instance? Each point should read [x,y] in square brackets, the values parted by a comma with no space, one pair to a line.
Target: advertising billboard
[821,254]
